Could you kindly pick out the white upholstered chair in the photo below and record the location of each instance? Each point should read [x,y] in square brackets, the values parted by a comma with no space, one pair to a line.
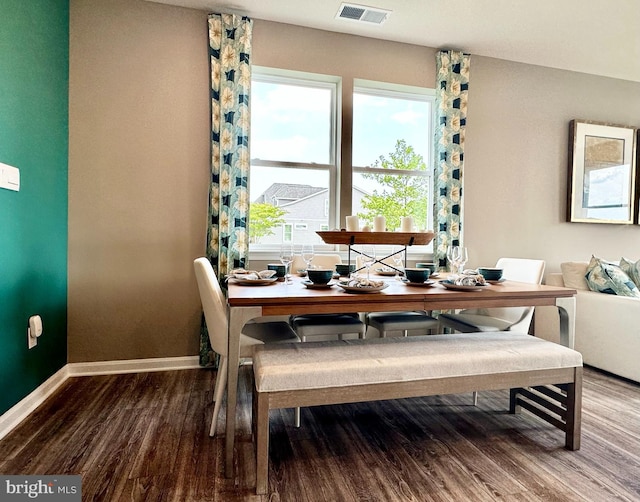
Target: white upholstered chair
[325,324]
[500,319]
[215,313]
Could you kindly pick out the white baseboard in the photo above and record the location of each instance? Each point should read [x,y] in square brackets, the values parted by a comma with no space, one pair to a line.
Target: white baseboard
[133,366]
[12,417]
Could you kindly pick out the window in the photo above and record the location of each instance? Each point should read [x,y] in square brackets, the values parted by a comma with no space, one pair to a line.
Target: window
[294,173]
[287,233]
[293,148]
[392,153]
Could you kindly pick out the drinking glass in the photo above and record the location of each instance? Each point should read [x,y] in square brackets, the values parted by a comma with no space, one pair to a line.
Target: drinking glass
[463,258]
[286,257]
[452,256]
[398,260]
[307,254]
[368,257]
[457,256]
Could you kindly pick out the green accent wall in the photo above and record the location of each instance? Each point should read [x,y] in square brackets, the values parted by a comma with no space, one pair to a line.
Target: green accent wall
[34,135]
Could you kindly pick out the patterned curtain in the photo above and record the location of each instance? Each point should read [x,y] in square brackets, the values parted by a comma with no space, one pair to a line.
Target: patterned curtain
[227,228]
[452,88]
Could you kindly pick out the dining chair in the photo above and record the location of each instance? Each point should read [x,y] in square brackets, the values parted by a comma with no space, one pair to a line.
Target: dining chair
[498,319]
[327,324]
[215,313]
[401,321]
[505,318]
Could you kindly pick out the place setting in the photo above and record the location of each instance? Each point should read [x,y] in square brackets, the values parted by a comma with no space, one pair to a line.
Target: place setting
[319,278]
[244,277]
[474,279]
[417,277]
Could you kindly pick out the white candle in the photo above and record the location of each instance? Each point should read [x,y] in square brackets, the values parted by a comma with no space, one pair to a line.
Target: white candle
[379,224]
[352,224]
[406,224]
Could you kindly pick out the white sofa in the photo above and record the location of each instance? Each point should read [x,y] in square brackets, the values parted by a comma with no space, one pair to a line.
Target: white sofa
[607,326]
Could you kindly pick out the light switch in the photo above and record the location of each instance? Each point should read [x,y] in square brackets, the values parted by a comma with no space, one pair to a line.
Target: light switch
[9,177]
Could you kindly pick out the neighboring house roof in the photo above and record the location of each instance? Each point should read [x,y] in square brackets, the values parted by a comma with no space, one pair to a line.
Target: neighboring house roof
[284,193]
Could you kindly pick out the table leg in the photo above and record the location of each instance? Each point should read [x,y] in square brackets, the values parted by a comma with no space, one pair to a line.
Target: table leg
[238,316]
[567,313]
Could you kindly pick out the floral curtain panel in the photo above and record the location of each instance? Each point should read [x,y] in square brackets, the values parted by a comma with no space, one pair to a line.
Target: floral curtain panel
[452,88]
[227,228]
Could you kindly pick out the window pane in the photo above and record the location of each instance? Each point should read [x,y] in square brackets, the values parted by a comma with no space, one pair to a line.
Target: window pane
[278,199]
[391,197]
[379,122]
[290,123]
[392,131]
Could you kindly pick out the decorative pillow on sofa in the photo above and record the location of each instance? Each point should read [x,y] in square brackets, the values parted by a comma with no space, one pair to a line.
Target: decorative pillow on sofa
[631,269]
[608,278]
[574,274]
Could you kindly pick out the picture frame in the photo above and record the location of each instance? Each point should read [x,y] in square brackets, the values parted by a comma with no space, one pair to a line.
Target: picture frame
[602,173]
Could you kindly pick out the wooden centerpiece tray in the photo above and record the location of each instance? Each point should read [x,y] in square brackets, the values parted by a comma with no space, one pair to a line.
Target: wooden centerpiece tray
[395,238]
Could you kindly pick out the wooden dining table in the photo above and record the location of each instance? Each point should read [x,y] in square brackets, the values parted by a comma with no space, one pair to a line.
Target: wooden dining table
[280,298]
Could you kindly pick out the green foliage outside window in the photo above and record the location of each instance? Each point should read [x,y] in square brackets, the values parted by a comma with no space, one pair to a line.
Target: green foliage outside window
[399,195]
[263,218]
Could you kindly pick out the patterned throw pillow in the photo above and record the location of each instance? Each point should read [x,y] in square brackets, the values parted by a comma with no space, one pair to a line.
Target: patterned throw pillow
[608,278]
[632,270]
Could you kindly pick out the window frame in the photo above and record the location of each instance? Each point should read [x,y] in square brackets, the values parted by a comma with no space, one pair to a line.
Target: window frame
[414,93]
[312,80]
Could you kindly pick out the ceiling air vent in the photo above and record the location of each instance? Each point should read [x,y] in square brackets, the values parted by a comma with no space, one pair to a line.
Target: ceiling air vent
[362,13]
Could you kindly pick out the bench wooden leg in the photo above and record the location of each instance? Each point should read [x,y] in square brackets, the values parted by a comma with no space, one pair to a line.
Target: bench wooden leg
[548,403]
[261,427]
[574,412]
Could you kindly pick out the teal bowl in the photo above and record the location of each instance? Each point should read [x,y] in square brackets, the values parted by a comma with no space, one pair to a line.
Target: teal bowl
[320,275]
[490,273]
[344,270]
[417,274]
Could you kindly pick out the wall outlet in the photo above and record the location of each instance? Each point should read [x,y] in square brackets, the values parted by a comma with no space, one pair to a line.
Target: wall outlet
[32,341]
[34,330]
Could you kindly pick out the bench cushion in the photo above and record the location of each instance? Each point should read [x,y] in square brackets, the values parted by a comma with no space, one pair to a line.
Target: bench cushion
[344,363]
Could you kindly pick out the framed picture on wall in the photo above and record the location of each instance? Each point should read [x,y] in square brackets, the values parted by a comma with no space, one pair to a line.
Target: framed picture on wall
[602,173]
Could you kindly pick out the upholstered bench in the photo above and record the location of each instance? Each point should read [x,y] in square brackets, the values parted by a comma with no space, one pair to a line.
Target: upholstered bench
[348,371]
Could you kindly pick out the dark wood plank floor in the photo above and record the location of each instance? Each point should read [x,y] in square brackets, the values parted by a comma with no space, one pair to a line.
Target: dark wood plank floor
[145,437]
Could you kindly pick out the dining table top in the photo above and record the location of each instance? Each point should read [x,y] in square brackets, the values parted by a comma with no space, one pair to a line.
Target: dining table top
[281,298]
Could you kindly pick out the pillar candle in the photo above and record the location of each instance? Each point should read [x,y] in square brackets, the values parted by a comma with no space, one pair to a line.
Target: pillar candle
[352,224]
[379,224]
[406,224]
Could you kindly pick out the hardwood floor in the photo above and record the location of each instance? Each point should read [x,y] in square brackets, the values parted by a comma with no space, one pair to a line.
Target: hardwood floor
[145,437]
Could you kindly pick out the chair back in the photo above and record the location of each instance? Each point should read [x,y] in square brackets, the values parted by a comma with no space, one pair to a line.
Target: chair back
[213,304]
[325,260]
[520,270]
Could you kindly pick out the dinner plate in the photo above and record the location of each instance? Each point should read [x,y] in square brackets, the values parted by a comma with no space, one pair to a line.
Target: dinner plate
[313,285]
[385,271]
[255,282]
[365,289]
[425,284]
[495,282]
[457,287]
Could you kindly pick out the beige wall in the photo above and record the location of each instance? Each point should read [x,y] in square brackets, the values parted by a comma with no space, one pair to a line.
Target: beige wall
[139,159]
[516,155]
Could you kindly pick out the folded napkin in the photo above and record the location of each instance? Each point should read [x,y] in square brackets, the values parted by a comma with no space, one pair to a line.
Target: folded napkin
[240,273]
[468,279]
[363,282]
